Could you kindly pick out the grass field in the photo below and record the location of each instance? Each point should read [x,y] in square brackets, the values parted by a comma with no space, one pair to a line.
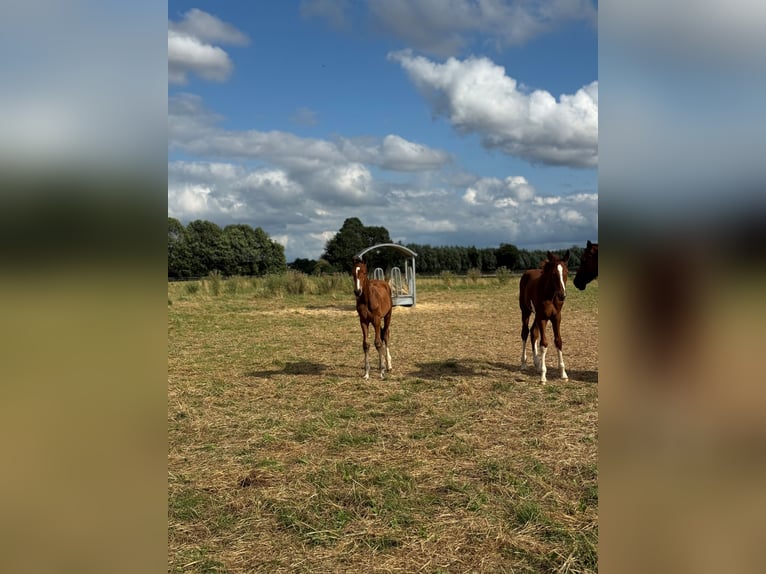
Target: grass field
[282,459]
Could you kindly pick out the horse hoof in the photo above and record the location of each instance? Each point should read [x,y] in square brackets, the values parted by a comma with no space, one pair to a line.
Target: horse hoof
[366,377]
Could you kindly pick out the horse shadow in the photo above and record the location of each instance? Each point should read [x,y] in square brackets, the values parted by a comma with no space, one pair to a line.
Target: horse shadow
[306,368]
[448,368]
[435,370]
[581,376]
[344,307]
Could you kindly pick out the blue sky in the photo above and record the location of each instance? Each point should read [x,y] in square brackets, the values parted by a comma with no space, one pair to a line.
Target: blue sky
[448,123]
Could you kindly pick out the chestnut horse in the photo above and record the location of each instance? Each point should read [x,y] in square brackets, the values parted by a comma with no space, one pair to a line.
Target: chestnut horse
[374,305]
[542,292]
[588,269]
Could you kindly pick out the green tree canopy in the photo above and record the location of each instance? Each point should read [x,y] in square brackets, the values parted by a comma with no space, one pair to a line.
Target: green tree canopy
[507,255]
[352,238]
[238,249]
[205,240]
[179,254]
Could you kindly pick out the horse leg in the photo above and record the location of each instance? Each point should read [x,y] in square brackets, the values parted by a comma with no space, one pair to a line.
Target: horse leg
[540,326]
[379,346]
[386,335]
[365,348]
[556,323]
[524,335]
[535,340]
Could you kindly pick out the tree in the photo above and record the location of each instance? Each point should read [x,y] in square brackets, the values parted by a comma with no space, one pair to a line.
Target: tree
[179,254]
[273,254]
[205,240]
[303,265]
[507,255]
[352,238]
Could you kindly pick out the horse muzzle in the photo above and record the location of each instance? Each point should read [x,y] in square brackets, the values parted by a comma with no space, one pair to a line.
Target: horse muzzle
[358,293]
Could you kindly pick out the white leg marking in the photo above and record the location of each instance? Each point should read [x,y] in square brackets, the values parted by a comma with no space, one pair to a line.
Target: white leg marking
[562,366]
[366,365]
[543,370]
[561,278]
[524,356]
[388,359]
[381,361]
[536,353]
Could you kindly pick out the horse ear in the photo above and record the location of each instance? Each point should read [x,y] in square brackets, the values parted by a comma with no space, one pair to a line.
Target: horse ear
[589,244]
[566,256]
[549,255]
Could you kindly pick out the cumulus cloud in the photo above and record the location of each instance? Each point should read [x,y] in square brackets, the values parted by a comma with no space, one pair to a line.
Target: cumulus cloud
[394,153]
[304,214]
[193,128]
[191,49]
[300,190]
[208,28]
[445,28]
[477,96]
[499,193]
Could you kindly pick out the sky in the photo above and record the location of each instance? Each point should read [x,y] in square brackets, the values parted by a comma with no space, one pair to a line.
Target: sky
[460,122]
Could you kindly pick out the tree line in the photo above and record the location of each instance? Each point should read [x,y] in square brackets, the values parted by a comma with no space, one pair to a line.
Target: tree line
[202,246]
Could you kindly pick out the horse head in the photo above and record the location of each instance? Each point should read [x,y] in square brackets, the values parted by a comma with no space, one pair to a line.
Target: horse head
[556,271]
[588,269]
[359,273]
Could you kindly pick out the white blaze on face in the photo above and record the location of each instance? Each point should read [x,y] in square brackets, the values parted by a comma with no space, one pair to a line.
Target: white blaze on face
[560,269]
[357,283]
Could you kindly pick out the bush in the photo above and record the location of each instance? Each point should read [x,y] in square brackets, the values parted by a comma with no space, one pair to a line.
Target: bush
[191,287]
[297,283]
[232,285]
[474,274]
[333,283]
[274,285]
[215,280]
[503,275]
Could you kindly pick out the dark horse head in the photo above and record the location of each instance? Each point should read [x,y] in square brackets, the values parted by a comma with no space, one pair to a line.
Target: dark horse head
[588,269]
[359,273]
[555,272]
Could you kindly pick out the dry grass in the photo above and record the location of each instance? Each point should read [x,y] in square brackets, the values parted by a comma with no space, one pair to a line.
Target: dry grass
[282,459]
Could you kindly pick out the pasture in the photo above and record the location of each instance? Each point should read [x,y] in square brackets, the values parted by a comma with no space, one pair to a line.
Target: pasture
[283,459]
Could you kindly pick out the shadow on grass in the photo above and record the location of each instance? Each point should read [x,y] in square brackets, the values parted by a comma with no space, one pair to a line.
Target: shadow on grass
[582,376]
[472,368]
[332,307]
[293,368]
[456,368]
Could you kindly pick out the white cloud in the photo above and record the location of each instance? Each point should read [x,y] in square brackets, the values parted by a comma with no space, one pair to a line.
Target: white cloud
[190,48]
[301,190]
[192,128]
[208,28]
[500,193]
[477,96]
[393,153]
[445,28]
